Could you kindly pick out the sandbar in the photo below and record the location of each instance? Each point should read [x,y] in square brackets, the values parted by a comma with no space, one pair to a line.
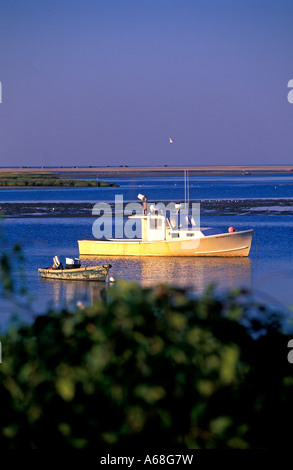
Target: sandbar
[124,170]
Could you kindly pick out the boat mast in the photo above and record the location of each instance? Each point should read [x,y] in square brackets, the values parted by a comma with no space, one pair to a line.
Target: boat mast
[186,189]
[187,183]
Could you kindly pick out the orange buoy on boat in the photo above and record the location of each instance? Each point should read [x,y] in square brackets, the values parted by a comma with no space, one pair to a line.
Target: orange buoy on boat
[231,229]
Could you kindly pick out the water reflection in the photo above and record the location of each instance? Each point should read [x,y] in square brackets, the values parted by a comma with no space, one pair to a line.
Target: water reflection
[72,293]
[192,272]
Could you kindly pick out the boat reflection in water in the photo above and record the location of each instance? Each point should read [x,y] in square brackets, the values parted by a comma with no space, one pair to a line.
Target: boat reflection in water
[72,294]
[191,272]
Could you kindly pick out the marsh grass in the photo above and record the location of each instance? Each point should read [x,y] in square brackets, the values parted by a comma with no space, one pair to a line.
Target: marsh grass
[47,180]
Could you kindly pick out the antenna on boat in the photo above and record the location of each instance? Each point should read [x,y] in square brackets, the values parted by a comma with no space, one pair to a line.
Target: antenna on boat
[186,189]
[187,183]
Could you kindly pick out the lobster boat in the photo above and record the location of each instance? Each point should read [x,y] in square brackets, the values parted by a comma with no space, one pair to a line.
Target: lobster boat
[162,236]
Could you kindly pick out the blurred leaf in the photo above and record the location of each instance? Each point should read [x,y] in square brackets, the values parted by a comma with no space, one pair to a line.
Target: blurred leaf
[150,394]
[220,424]
[65,388]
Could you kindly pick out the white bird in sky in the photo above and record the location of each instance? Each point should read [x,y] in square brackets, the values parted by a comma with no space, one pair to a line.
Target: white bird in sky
[171,141]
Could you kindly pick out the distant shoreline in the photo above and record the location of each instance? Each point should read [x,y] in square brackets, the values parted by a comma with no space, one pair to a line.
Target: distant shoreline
[124,171]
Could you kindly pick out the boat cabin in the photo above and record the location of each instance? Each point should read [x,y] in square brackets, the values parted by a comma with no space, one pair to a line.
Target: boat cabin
[179,224]
[156,227]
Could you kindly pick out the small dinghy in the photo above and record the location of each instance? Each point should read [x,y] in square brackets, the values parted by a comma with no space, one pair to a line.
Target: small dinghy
[74,271]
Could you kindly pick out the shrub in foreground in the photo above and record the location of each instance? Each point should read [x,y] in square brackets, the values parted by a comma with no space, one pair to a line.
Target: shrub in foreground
[149,367]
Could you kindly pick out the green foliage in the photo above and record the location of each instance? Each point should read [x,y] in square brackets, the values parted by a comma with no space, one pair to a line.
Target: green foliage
[148,367]
[10,260]
[47,180]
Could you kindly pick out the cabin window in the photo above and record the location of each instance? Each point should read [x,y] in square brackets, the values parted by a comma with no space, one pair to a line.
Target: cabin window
[190,234]
[155,224]
[175,235]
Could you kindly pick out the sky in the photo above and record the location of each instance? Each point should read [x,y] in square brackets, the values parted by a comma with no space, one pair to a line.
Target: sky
[107,82]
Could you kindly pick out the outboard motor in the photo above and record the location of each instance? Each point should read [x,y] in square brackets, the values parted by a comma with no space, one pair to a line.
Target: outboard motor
[56,262]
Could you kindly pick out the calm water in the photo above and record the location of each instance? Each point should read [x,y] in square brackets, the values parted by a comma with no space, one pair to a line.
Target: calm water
[268,271]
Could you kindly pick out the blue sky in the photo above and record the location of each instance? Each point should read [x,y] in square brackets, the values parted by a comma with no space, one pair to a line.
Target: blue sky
[108,82]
